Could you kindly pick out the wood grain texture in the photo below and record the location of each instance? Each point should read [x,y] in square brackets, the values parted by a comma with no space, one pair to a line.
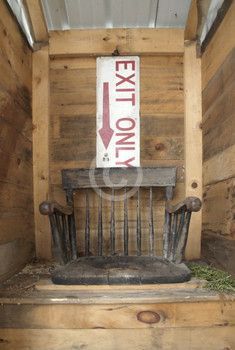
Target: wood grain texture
[73,135]
[218,102]
[219,47]
[219,251]
[190,31]
[219,208]
[15,254]
[38,22]
[16,180]
[219,167]
[215,338]
[116,316]
[142,177]
[41,95]
[193,142]
[98,42]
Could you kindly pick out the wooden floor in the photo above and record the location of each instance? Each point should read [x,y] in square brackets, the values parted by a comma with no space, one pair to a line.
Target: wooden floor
[36,315]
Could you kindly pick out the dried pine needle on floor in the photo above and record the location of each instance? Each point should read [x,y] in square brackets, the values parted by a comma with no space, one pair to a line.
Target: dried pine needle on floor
[217,280]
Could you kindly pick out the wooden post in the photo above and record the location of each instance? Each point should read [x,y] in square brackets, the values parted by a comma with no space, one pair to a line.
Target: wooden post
[40,107]
[193,142]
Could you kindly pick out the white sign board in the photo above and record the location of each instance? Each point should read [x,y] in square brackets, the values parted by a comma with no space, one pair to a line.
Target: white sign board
[118,121]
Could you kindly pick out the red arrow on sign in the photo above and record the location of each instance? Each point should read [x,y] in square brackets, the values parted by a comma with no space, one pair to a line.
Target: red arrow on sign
[106,133]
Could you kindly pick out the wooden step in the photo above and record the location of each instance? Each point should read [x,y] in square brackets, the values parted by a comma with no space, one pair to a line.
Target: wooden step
[37,315]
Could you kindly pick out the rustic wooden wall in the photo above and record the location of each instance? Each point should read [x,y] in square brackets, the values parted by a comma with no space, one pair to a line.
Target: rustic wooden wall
[218,96]
[16,193]
[73,126]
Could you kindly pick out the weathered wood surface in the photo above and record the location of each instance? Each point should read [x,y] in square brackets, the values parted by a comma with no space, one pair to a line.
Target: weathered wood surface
[219,251]
[110,177]
[16,180]
[166,317]
[41,121]
[14,255]
[120,270]
[38,22]
[48,285]
[73,135]
[193,142]
[117,316]
[218,109]
[219,47]
[100,42]
[218,208]
[218,102]
[215,338]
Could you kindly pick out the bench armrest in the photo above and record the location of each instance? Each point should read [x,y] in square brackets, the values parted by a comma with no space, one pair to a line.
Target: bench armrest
[63,230]
[176,227]
[50,208]
[190,204]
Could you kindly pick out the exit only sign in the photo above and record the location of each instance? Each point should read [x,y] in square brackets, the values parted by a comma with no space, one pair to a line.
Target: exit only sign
[118,121]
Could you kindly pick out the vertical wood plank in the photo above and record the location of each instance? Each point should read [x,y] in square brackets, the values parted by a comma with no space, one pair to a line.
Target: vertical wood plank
[193,142]
[87,226]
[40,106]
[112,224]
[138,224]
[126,226]
[151,228]
[100,225]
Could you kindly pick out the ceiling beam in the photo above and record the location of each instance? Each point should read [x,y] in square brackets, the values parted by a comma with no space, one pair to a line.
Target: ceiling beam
[95,42]
[190,32]
[38,23]
[196,19]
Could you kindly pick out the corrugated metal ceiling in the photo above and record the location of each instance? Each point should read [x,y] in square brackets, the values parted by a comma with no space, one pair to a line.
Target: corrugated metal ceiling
[68,14]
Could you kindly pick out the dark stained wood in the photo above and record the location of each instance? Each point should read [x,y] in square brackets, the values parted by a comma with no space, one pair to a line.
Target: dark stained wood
[112,224]
[47,208]
[100,225]
[126,224]
[138,223]
[87,228]
[190,204]
[121,270]
[167,223]
[144,177]
[151,228]
[219,251]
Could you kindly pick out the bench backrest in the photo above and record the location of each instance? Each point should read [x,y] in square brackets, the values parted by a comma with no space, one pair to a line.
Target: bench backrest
[115,178]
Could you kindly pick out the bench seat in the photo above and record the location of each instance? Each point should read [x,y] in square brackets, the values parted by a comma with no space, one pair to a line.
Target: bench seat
[120,270]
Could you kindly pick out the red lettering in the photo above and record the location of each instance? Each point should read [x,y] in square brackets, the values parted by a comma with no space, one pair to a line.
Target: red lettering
[125,136]
[125,79]
[125,90]
[131,99]
[126,162]
[125,63]
[119,149]
[125,128]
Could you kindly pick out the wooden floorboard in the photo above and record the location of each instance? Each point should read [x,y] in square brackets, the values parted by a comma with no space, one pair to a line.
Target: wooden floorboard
[36,315]
[216,338]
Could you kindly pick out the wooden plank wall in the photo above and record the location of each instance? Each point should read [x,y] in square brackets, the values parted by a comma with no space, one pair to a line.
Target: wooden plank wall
[73,129]
[16,188]
[218,103]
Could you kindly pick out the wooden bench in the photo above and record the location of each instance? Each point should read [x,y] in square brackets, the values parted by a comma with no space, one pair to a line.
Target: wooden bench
[113,268]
